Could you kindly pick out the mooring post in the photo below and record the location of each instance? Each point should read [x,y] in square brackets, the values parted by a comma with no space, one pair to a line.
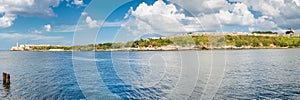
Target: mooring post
[6,78]
[3,77]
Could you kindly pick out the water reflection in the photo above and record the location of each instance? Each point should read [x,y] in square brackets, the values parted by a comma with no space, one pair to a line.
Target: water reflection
[6,88]
[250,74]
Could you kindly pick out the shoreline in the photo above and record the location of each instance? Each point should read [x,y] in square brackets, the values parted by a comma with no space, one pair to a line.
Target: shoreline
[141,50]
[179,43]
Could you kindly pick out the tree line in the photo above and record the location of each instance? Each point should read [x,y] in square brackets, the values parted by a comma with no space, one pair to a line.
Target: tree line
[188,41]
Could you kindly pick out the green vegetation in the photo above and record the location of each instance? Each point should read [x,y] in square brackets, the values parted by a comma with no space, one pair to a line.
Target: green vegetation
[52,47]
[262,32]
[151,42]
[138,43]
[263,41]
[238,41]
[202,41]
[183,41]
[207,41]
[102,46]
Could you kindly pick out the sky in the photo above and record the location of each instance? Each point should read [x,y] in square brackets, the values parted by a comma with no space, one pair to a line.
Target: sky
[69,22]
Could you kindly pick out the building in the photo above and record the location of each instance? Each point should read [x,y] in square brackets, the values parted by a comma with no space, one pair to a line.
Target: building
[17,48]
[27,46]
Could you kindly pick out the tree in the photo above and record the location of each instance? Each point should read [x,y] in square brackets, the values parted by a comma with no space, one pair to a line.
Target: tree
[298,43]
[239,44]
[264,32]
[255,44]
[289,32]
[266,43]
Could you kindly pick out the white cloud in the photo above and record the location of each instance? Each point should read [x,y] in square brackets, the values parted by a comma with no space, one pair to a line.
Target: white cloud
[78,2]
[198,7]
[37,32]
[167,18]
[159,18]
[264,23]
[128,13]
[47,27]
[91,23]
[216,13]
[18,36]
[283,13]
[239,15]
[277,14]
[266,7]
[29,7]
[84,13]
[297,2]
[210,22]
[12,8]
[7,20]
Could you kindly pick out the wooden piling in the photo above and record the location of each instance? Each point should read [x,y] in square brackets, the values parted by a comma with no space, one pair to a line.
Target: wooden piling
[3,77]
[6,78]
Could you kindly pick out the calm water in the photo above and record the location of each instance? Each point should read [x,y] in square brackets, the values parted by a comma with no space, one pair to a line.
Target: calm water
[248,74]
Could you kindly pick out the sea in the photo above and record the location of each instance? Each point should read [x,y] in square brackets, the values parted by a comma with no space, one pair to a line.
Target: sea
[192,75]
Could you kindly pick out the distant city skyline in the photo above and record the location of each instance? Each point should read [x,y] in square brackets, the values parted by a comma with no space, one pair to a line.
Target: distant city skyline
[55,21]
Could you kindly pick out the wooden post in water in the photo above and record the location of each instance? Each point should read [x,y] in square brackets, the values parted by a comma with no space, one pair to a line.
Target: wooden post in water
[3,77]
[6,78]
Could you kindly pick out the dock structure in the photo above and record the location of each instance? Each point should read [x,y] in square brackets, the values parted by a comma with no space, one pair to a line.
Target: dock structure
[6,78]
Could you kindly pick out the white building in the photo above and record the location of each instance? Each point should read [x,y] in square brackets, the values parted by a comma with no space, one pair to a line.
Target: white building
[27,46]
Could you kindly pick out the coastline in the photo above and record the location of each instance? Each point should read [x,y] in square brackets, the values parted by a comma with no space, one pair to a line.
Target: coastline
[136,50]
[183,42]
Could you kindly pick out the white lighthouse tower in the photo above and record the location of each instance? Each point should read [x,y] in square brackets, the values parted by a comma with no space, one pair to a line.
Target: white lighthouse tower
[17,44]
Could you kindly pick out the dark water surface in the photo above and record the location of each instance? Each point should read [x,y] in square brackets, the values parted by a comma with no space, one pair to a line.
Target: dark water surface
[248,74]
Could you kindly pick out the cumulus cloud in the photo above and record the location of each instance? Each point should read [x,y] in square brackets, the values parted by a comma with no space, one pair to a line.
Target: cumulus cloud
[78,2]
[216,13]
[91,23]
[159,18]
[283,13]
[7,20]
[266,7]
[47,27]
[29,7]
[239,15]
[276,14]
[168,18]
[264,23]
[11,8]
[200,7]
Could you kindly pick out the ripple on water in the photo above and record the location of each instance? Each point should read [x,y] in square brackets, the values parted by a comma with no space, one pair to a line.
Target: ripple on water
[250,74]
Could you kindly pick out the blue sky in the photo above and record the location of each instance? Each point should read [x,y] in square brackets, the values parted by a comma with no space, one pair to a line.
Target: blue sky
[56,21]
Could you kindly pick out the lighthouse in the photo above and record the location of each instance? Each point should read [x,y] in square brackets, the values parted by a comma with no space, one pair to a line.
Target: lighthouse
[17,44]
